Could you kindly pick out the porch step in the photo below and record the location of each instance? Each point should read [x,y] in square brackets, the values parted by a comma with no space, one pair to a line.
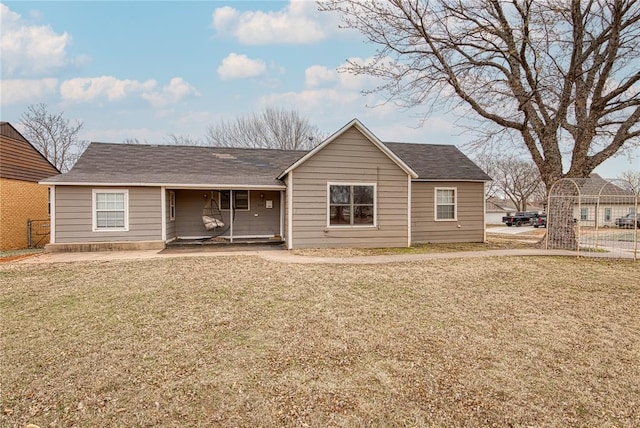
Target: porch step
[220,241]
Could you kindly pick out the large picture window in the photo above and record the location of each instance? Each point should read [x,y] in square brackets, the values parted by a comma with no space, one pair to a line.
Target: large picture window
[110,210]
[446,204]
[240,200]
[352,204]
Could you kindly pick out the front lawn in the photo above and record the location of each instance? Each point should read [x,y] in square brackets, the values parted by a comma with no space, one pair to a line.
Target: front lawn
[239,341]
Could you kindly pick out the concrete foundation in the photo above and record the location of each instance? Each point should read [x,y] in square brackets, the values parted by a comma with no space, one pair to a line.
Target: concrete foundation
[75,247]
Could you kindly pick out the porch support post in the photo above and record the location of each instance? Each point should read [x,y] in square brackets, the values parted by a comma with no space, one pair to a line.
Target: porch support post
[282,195]
[163,212]
[290,210]
[231,208]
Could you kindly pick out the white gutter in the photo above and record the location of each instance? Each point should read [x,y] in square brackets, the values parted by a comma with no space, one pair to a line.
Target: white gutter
[172,185]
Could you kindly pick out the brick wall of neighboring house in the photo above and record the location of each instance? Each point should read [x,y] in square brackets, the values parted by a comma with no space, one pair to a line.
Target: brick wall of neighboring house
[19,202]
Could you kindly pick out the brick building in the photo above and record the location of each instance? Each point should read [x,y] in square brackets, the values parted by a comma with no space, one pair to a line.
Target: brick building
[21,197]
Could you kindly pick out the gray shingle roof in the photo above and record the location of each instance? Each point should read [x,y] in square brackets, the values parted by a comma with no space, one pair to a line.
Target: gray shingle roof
[202,166]
[178,165]
[438,162]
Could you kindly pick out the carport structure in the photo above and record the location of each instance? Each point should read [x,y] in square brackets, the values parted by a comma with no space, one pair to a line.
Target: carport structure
[583,214]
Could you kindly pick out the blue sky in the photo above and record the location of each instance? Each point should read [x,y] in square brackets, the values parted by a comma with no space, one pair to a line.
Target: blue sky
[149,69]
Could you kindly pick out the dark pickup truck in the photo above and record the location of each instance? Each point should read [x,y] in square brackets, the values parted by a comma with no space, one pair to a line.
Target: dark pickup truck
[519,218]
[627,221]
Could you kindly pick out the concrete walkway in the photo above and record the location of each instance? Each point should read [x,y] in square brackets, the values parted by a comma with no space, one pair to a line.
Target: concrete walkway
[284,256]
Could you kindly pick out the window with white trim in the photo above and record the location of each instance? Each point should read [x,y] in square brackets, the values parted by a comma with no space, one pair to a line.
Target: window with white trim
[240,200]
[584,213]
[110,210]
[446,204]
[351,204]
[172,205]
[607,214]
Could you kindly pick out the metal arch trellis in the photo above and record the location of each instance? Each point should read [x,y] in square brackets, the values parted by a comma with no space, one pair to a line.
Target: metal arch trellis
[593,215]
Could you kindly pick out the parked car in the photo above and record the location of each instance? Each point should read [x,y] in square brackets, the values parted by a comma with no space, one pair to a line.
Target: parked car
[539,221]
[627,221]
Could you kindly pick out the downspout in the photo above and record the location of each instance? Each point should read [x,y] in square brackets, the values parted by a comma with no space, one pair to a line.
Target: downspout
[231,208]
[52,220]
[409,210]
[484,212]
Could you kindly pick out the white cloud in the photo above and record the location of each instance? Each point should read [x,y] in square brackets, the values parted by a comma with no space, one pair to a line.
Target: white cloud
[177,90]
[29,91]
[298,23]
[236,66]
[30,50]
[316,75]
[83,89]
[225,18]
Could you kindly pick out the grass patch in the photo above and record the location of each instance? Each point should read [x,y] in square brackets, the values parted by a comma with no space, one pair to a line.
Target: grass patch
[239,341]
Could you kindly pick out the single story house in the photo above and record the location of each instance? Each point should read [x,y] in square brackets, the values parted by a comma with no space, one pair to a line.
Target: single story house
[352,190]
[601,201]
[23,201]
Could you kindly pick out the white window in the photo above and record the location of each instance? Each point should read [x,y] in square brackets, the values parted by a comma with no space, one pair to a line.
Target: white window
[110,210]
[446,204]
[172,205]
[607,214]
[240,200]
[351,204]
[584,213]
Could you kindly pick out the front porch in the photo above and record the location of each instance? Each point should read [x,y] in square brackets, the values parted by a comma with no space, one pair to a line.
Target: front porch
[199,217]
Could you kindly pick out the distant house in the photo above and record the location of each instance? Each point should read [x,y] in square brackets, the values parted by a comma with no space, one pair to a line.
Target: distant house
[352,190]
[497,208]
[601,202]
[21,197]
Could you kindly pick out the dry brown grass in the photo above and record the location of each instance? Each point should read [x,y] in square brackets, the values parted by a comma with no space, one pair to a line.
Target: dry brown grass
[239,341]
[494,242]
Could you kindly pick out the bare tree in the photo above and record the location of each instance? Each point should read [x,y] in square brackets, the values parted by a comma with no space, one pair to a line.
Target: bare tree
[513,177]
[632,178]
[556,76]
[271,128]
[54,136]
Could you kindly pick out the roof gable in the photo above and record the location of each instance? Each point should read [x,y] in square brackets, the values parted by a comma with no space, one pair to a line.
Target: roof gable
[355,123]
[19,159]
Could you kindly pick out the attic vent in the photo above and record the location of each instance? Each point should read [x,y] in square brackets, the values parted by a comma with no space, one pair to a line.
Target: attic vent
[224,156]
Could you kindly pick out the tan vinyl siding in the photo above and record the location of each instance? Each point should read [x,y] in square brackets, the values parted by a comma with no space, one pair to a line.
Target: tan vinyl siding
[351,158]
[470,208]
[74,215]
[258,221]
